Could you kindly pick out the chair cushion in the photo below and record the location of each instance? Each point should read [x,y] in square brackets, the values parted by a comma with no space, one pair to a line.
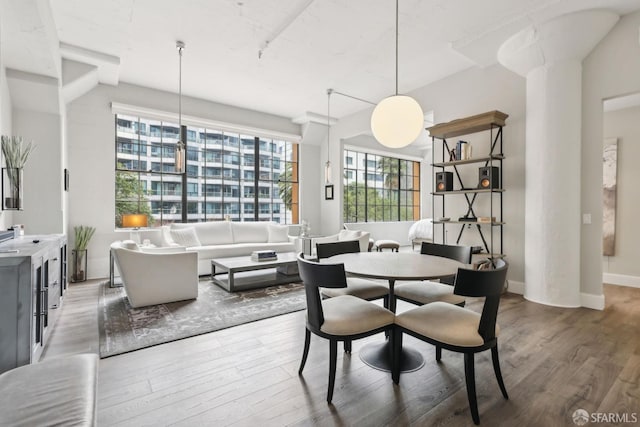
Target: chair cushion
[348,315]
[185,237]
[361,288]
[427,292]
[447,323]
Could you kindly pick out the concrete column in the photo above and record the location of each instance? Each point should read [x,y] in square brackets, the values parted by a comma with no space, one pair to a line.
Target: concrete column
[550,57]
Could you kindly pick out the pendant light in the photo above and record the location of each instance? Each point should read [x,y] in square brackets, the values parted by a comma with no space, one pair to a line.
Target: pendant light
[397,120]
[327,166]
[180,146]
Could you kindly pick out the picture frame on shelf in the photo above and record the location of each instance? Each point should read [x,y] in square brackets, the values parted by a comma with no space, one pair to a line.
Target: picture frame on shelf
[328,192]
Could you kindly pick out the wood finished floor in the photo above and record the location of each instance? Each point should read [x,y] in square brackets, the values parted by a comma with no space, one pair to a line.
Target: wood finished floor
[554,361]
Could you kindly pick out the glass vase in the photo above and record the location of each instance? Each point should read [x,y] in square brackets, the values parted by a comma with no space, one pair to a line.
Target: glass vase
[79,265]
[12,188]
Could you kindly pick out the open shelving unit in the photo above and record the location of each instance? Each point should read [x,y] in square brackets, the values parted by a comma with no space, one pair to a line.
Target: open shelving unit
[490,233]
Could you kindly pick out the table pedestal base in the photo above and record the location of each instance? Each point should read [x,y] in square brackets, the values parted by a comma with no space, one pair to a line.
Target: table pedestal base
[378,356]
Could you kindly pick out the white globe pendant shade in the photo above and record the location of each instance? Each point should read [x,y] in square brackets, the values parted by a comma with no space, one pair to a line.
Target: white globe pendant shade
[397,121]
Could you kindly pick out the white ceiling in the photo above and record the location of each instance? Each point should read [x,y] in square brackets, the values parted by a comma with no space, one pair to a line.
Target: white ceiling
[347,45]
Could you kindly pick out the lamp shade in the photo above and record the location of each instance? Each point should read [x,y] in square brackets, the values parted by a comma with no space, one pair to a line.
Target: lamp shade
[397,121]
[134,220]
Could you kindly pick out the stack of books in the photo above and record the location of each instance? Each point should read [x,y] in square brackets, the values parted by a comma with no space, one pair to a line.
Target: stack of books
[267,255]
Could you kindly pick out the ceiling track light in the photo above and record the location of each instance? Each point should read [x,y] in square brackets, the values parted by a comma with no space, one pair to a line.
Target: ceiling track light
[397,120]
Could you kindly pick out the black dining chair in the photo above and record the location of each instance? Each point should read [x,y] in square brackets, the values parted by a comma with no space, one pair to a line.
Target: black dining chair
[358,287]
[425,292]
[459,329]
[340,318]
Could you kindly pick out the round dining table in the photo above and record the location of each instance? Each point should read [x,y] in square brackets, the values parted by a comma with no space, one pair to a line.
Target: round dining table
[393,267]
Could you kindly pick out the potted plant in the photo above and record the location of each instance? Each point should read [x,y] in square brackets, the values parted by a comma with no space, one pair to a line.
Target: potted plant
[15,156]
[83,233]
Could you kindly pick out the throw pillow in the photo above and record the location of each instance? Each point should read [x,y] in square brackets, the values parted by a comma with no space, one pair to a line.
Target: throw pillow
[130,244]
[166,238]
[349,235]
[185,237]
[278,233]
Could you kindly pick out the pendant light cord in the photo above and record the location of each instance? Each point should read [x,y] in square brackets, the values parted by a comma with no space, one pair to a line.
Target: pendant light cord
[329,92]
[396,47]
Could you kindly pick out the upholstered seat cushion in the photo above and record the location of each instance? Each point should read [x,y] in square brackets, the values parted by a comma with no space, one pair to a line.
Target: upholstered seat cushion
[361,288]
[427,292]
[349,315]
[60,391]
[447,323]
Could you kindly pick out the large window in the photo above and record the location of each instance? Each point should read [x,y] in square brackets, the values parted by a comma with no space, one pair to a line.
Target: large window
[379,188]
[223,180]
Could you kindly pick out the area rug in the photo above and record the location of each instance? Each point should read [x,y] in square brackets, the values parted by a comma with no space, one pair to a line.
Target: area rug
[124,329]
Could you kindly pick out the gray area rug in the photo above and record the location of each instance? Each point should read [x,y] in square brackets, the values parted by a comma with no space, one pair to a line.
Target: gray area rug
[124,329]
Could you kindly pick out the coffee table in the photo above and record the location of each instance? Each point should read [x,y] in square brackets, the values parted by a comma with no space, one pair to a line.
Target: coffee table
[283,270]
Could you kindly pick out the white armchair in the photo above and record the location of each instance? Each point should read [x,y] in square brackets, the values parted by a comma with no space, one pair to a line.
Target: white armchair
[361,236]
[156,277]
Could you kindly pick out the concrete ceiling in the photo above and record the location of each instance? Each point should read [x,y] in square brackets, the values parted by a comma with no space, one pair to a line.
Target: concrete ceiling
[306,46]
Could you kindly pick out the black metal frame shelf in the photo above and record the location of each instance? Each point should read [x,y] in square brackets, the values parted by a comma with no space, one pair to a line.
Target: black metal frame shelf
[493,122]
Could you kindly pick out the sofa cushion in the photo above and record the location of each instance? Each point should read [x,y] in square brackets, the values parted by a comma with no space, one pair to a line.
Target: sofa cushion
[278,233]
[185,237]
[210,233]
[349,235]
[250,232]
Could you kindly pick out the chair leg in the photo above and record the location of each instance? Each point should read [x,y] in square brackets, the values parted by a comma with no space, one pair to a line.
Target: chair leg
[305,352]
[333,355]
[385,301]
[347,346]
[396,357]
[469,375]
[438,353]
[496,369]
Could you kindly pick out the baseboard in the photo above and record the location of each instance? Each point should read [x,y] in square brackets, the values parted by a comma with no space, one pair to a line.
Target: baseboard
[593,301]
[515,287]
[621,279]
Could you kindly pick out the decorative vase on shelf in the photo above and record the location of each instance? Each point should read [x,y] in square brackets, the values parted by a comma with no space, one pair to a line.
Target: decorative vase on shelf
[12,188]
[15,156]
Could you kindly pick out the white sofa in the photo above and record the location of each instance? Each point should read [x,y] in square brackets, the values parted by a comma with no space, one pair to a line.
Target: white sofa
[221,239]
[156,276]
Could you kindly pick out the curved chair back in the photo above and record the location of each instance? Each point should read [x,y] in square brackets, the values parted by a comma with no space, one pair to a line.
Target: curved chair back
[484,283]
[326,250]
[316,275]
[458,253]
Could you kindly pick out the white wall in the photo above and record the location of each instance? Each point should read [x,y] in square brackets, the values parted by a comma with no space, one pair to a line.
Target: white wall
[470,92]
[625,126]
[6,217]
[91,156]
[42,212]
[611,70]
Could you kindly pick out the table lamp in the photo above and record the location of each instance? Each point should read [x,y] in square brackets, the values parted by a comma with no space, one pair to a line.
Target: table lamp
[134,221]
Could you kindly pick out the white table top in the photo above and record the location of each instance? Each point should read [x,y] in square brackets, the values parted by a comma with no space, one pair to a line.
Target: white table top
[397,265]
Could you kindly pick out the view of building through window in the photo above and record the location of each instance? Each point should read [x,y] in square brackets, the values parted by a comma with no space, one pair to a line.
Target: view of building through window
[379,188]
[228,175]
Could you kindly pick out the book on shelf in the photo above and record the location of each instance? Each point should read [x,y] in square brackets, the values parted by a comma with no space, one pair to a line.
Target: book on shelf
[486,219]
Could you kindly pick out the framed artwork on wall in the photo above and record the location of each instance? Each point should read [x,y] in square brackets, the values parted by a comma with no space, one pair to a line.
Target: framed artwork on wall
[328,192]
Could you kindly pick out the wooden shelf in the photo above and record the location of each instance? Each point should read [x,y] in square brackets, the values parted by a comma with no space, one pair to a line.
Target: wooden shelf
[475,190]
[469,161]
[470,222]
[472,124]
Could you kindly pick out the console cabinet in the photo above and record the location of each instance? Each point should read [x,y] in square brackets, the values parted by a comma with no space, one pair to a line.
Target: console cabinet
[33,279]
